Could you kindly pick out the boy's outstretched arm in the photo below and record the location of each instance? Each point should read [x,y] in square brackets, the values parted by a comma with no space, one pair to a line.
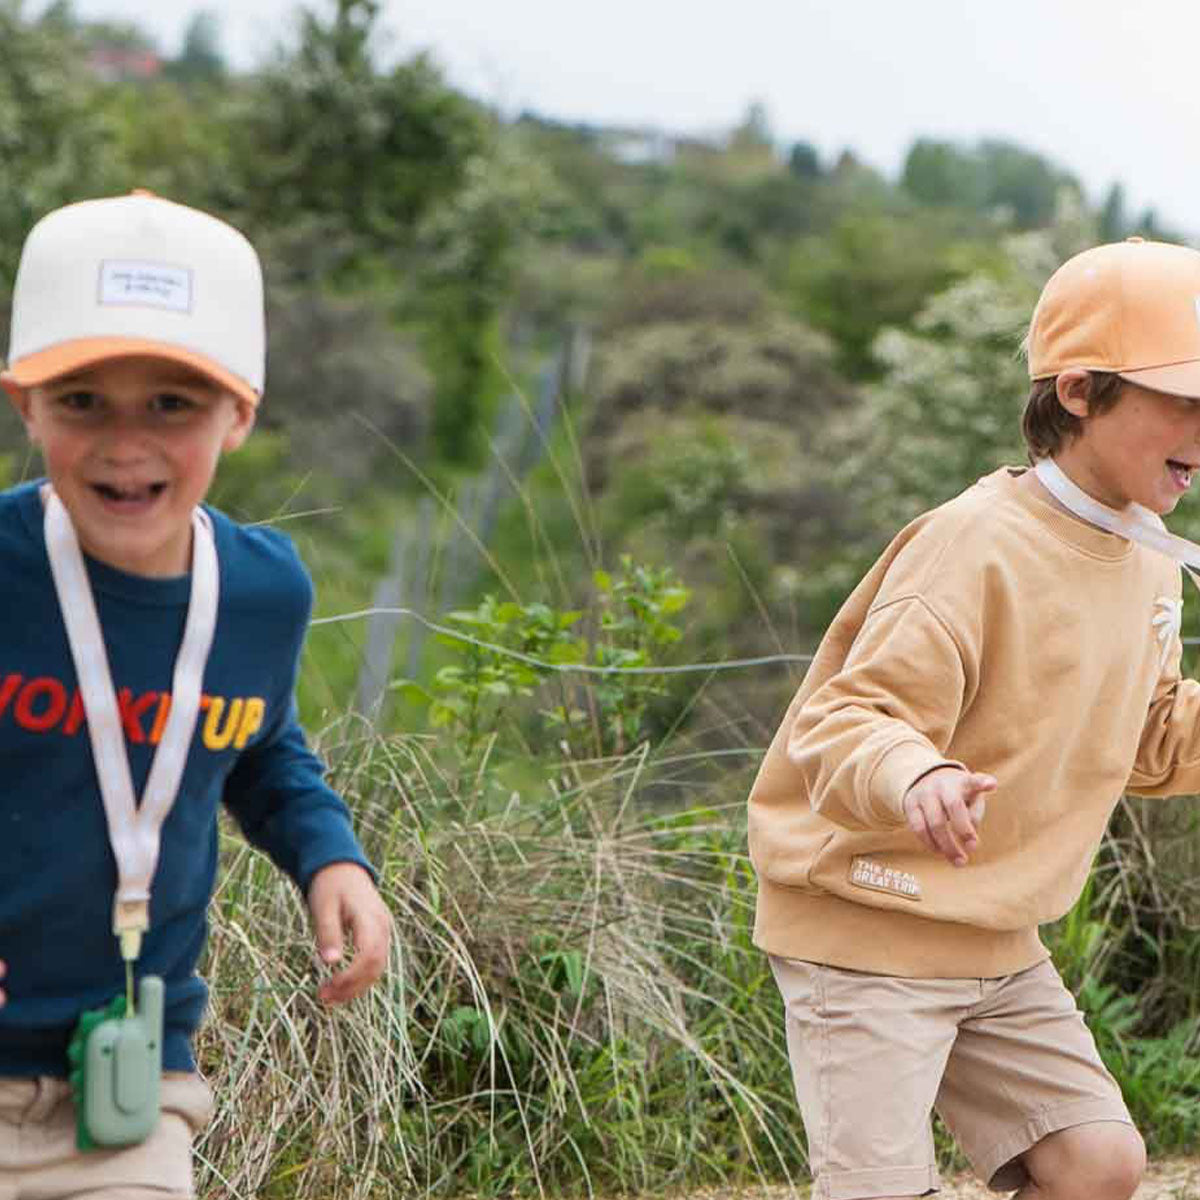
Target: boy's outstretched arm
[885,720]
[342,899]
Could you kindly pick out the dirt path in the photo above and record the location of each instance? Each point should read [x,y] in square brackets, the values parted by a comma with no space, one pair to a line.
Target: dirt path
[1169,1179]
[1174,1179]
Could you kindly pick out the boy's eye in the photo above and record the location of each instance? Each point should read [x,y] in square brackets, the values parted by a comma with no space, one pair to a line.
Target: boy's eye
[172,403]
[79,401]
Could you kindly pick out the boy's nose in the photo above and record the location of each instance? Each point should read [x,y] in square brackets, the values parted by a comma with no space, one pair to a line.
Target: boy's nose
[123,443]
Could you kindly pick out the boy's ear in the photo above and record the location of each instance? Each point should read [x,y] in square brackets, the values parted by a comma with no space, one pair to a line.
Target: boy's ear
[243,423]
[18,395]
[1074,390]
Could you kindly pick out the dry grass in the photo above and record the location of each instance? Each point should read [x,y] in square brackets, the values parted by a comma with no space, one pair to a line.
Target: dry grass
[572,1006]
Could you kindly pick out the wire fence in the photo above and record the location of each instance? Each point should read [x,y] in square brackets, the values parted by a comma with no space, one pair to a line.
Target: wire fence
[434,563]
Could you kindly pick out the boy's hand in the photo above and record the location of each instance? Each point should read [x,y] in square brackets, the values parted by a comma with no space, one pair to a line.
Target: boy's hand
[342,899]
[944,809]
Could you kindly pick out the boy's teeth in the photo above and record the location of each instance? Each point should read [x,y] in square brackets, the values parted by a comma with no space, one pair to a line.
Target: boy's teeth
[143,493]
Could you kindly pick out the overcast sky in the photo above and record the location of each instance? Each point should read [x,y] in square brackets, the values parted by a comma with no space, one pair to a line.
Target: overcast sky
[1109,90]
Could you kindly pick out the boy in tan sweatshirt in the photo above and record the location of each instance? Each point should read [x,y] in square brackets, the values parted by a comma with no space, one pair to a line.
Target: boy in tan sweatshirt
[1008,650]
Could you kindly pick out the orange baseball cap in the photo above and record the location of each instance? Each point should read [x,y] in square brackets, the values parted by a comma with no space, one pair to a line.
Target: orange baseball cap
[1131,307]
[138,275]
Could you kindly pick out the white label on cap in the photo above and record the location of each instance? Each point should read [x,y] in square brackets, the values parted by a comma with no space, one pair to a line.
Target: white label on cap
[153,285]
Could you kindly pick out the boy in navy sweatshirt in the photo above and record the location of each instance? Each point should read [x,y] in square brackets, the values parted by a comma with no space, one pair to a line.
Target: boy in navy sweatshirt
[137,358]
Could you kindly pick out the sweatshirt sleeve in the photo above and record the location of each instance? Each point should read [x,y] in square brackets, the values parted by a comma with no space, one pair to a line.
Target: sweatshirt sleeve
[869,732]
[277,791]
[1168,755]
[278,795]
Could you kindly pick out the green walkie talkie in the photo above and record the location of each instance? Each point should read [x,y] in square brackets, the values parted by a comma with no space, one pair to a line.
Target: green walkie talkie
[116,1068]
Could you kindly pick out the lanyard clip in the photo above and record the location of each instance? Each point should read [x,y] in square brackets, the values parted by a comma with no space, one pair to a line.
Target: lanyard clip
[131,918]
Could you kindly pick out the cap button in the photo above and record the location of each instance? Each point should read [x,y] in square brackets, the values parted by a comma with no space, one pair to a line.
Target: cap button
[148,192]
[1135,238]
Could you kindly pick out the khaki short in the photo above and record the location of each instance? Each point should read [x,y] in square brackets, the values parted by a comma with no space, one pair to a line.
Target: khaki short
[39,1161]
[1004,1061]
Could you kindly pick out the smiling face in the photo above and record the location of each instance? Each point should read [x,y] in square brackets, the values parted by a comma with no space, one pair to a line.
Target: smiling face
[1144,449]
[131,446]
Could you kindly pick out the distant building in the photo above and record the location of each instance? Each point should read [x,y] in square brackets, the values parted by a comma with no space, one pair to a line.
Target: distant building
[121,64]
[647,145]
[654,147]
[638,147]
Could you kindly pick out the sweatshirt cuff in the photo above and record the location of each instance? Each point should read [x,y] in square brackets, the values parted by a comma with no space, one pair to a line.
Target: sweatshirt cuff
[335,850]
[897,771]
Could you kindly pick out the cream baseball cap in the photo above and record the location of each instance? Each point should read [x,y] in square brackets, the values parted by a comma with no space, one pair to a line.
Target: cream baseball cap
[134,275]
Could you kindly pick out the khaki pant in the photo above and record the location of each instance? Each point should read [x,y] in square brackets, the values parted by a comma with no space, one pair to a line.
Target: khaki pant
[39,1161]
[1005,1062]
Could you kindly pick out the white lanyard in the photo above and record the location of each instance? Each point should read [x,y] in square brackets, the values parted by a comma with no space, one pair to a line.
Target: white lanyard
[133,832]
[1136,523]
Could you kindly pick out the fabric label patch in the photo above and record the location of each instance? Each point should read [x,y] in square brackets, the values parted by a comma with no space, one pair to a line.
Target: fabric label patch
[867,873]
[152,285]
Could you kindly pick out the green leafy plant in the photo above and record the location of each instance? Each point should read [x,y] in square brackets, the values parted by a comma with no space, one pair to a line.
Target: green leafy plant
[504,655]
[636,607]
[508,652]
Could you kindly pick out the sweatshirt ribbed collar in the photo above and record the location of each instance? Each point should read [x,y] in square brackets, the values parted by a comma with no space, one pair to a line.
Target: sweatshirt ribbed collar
[1066,527]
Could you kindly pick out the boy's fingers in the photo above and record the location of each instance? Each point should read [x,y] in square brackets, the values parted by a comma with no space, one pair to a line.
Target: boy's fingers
[915,818]
[919,826]
[345,985]
[931,830]
[372,934]
[327,926]
[945,841]
[961,823]
[352,981]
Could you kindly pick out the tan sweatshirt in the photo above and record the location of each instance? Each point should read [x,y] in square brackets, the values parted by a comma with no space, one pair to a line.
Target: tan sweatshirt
[999,633]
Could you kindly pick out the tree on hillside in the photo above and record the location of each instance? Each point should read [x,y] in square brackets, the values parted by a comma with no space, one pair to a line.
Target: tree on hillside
[941,174]
[115,35]
[55,144]
[869,271]
[1113,222]
[366,153]
[1148,227]
[994,176]
[200,59]
[59,17]
[754,132]
[180,141]
[391,179]
[803,161]
[1023,181]
[467,263]
[948,404]
[704,405]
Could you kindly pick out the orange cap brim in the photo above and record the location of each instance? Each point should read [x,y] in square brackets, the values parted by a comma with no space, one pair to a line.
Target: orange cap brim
[1177,379]
[34,370]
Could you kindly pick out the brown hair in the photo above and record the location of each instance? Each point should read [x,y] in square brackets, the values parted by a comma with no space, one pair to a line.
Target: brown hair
[1048,426]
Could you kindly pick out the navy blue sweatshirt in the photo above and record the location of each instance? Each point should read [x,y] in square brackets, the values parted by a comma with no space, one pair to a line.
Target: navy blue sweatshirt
[57,870]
